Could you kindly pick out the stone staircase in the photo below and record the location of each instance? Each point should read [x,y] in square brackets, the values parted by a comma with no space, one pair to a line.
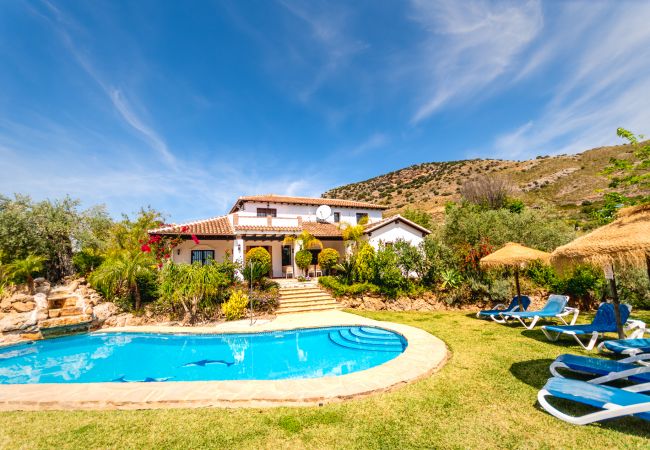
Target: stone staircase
[302,297]
[66,314]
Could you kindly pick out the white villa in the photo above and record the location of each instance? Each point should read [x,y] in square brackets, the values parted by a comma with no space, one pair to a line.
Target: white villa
[265,221]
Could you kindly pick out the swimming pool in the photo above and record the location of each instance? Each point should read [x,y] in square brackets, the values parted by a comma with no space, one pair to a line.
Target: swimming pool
[147,357]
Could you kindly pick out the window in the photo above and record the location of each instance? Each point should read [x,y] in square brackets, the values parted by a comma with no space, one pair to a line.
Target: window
[263,212]
[314,256]
[286,255]
[337,217]
[361,217]
[202,256]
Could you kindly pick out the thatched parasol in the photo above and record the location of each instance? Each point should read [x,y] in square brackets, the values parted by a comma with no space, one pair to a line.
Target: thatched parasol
[624,242]
[514,255]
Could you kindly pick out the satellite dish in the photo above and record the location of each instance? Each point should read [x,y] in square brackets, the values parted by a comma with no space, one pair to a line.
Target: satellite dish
[323,212]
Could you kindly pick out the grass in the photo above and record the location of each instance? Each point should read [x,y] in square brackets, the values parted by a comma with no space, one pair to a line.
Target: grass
[484,397]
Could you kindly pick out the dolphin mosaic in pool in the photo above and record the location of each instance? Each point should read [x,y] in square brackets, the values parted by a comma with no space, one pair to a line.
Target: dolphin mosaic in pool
[150,357]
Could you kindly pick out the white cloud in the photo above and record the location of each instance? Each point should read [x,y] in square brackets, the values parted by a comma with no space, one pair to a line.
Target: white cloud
[470,46]
[374,141]
[604,85]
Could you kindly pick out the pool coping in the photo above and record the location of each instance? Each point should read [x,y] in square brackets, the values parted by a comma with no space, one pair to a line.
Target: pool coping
[424,355]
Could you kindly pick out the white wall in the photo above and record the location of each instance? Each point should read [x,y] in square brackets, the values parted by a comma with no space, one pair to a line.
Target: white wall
[308,212]
[396,231]
[219,246]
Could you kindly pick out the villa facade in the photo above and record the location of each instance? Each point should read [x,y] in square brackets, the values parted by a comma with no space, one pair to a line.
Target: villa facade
[266,220]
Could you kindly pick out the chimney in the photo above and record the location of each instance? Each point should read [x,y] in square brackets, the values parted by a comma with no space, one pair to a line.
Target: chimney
[269,220]
[235,219]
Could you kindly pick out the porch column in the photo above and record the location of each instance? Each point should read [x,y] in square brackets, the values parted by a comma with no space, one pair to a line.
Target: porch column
[238,250]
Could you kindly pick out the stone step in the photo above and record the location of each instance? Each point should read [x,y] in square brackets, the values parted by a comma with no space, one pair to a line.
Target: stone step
[62,302]
[332,303]
[303,294]
[298,309]
[321,298]
[299,289]
[64,312]
[56,322]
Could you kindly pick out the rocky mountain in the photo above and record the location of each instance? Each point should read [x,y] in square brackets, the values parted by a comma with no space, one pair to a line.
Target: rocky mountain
[571,182]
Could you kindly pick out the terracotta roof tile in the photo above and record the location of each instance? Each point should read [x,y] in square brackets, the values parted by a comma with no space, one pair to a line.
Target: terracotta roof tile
[216,226]
[304,201]
[322,229]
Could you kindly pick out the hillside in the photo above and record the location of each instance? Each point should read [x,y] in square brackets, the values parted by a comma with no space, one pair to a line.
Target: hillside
[566,181]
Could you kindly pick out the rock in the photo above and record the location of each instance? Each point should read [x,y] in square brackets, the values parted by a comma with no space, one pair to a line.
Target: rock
[373,303]
[132,320]
[88,310]
[23,306]
[43,288]
[52,313]
[5,305]
[39,280]
[17,321]
[421,304]
[73,286]
[103,312]
[19,298]
[41,301]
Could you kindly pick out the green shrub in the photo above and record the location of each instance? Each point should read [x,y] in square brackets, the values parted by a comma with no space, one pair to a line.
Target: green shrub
[347,270]
[86,261]
[235,307]
[257,264]
[303,259]
[388,275]
[584,285]
[328,258]
[542,275]
[634,287]
[365,263]
[340,289]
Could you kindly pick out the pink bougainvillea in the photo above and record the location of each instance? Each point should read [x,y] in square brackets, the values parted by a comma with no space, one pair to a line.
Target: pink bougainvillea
[162,245]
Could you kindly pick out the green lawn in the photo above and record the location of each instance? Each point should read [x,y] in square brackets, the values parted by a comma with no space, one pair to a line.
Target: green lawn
[484,397]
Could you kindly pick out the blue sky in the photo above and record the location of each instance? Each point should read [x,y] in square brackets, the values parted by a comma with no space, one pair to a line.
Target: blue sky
[186,105]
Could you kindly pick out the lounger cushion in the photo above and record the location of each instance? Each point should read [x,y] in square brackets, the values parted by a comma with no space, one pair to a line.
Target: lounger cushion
[620,345]
[525,302]
[604,321]
[600,366]
[596,395]
[554,306]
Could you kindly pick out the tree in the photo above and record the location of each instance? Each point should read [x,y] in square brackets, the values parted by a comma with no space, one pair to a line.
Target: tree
[366,263]
[487,191]
[26,268]
[352,235]
[197,282]
[118,274]
[328,258]
[469,224]
[419,216]
[633,172]
[53,229]
[303,259]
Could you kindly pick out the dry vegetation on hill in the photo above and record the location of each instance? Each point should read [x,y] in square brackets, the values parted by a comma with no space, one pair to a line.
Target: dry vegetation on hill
[566,181]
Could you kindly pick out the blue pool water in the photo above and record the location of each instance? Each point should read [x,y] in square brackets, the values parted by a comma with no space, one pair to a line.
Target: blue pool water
[129,357]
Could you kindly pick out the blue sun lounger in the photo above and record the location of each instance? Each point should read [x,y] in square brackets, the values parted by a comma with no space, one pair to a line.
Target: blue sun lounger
[520,304]
[612,402]
[635,369]
[555,308]
[627,346]
[604,322]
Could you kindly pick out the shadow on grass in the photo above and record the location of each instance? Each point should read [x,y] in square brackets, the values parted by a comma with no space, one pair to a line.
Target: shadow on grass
[535,373]
[538,335]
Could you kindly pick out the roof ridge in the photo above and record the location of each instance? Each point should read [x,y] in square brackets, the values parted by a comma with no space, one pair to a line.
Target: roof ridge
[194,222]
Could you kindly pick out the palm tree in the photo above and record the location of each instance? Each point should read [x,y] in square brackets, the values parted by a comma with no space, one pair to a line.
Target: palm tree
[120,274]
[352,234]
[305,240]
[26,268]
[196,282]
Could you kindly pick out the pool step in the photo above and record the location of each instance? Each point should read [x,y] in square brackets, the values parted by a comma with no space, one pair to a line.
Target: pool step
[295,299]
[380,342]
